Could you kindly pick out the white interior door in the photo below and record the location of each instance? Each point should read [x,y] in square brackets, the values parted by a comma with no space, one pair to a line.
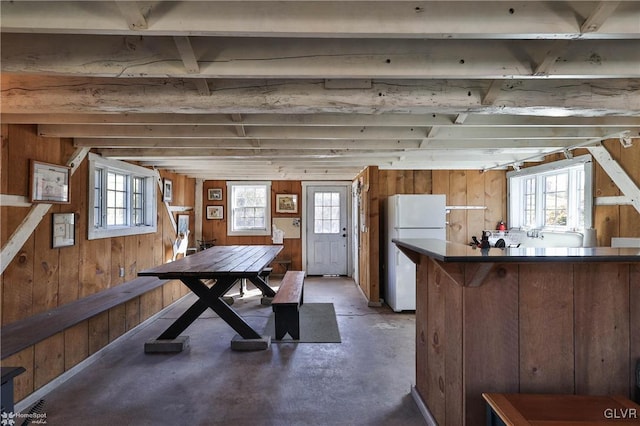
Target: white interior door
[327,251]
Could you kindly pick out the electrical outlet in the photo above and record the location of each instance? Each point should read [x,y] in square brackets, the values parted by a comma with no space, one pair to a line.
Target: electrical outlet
[121,272]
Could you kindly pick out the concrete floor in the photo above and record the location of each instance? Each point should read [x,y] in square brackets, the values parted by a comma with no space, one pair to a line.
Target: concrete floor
[365,380]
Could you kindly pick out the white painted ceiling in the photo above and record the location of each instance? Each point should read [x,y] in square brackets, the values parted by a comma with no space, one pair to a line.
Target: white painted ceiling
[317,90]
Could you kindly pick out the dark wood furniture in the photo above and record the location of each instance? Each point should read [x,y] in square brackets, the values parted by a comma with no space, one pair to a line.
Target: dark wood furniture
[559,410]
[225,265]
[537,320]
[286,305]
[8,374]
[21,334]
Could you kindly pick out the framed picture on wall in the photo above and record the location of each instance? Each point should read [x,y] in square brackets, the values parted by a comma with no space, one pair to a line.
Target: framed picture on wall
[167,190]
[215,212]
[214,194]
[64,230]
[286,203]
[183,223]
[49,183]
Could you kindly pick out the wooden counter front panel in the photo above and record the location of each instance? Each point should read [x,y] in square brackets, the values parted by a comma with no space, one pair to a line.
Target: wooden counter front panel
[543,328]
[546,315]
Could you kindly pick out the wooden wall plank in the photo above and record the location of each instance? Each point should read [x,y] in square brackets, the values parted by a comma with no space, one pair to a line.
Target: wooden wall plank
[424,270]
[495,190]
[546,328]
[98,332]
[435,334]
[422,181]
[132,313]
[117,322]
[475,189]
[17,285]
[601,328]
[45,271]
[4,162]
[48,360]
[453,360]
[95,266]
[490,318]
[117,260]
[76,344]
[150,303]
[457,196]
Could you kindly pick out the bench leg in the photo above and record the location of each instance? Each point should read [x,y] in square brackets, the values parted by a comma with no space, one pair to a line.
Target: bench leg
[287,319]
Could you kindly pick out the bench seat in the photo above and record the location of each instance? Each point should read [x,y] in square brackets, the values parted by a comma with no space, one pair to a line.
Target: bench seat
[286,305]
[21,334]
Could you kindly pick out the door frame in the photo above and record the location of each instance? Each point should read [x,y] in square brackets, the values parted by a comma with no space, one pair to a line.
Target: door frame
[307,226]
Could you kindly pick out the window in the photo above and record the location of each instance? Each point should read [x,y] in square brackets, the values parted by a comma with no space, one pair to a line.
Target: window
[123,197]
[326,219]
[249,206]
[552,196]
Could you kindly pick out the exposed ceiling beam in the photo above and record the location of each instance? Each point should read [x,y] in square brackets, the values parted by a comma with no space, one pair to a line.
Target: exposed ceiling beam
[327,60]
[133,15]
[325,133]
[37,94]
[330,120]
[387,19]
[600,14]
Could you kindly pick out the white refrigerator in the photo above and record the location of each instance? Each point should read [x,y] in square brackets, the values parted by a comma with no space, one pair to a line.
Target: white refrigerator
[409,216]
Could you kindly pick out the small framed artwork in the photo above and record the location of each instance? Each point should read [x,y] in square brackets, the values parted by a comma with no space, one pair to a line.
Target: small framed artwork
[286,203]
[49,183]
[183,223]
[215,212]
[64,230]
[214,194]
[167,190]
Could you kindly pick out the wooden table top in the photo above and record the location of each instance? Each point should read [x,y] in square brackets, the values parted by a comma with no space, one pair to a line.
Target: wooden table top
[218,261]
[563,410]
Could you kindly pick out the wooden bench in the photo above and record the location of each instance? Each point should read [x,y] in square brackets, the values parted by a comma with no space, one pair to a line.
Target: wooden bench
[21,334]
[285,263]
[286,305]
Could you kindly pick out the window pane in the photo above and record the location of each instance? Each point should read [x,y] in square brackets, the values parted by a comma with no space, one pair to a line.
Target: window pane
[249,207]
[116,199]
[556,196]
[327,213]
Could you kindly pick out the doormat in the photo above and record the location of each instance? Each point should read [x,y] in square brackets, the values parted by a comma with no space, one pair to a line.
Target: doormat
[318,324]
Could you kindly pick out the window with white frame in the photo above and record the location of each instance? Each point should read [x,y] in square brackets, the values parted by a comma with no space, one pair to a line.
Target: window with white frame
[554,196]
[249,207]
[123,198]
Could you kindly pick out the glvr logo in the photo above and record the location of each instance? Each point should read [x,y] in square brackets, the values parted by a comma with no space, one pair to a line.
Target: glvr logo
[620,413]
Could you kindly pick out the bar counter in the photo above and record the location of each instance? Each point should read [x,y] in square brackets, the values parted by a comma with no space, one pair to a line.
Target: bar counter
[522,320]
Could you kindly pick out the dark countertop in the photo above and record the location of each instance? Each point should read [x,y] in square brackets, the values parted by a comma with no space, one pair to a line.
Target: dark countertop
[447,251]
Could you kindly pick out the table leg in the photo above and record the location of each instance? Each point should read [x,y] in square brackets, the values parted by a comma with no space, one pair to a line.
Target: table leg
[262,285]
[212,298]
[184,321]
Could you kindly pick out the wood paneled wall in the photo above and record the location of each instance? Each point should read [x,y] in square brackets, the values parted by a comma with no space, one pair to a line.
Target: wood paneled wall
[369,233]
[41,278]
[217,228]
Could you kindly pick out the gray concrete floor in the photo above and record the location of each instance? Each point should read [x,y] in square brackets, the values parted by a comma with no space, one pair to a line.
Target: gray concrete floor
[365,380]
